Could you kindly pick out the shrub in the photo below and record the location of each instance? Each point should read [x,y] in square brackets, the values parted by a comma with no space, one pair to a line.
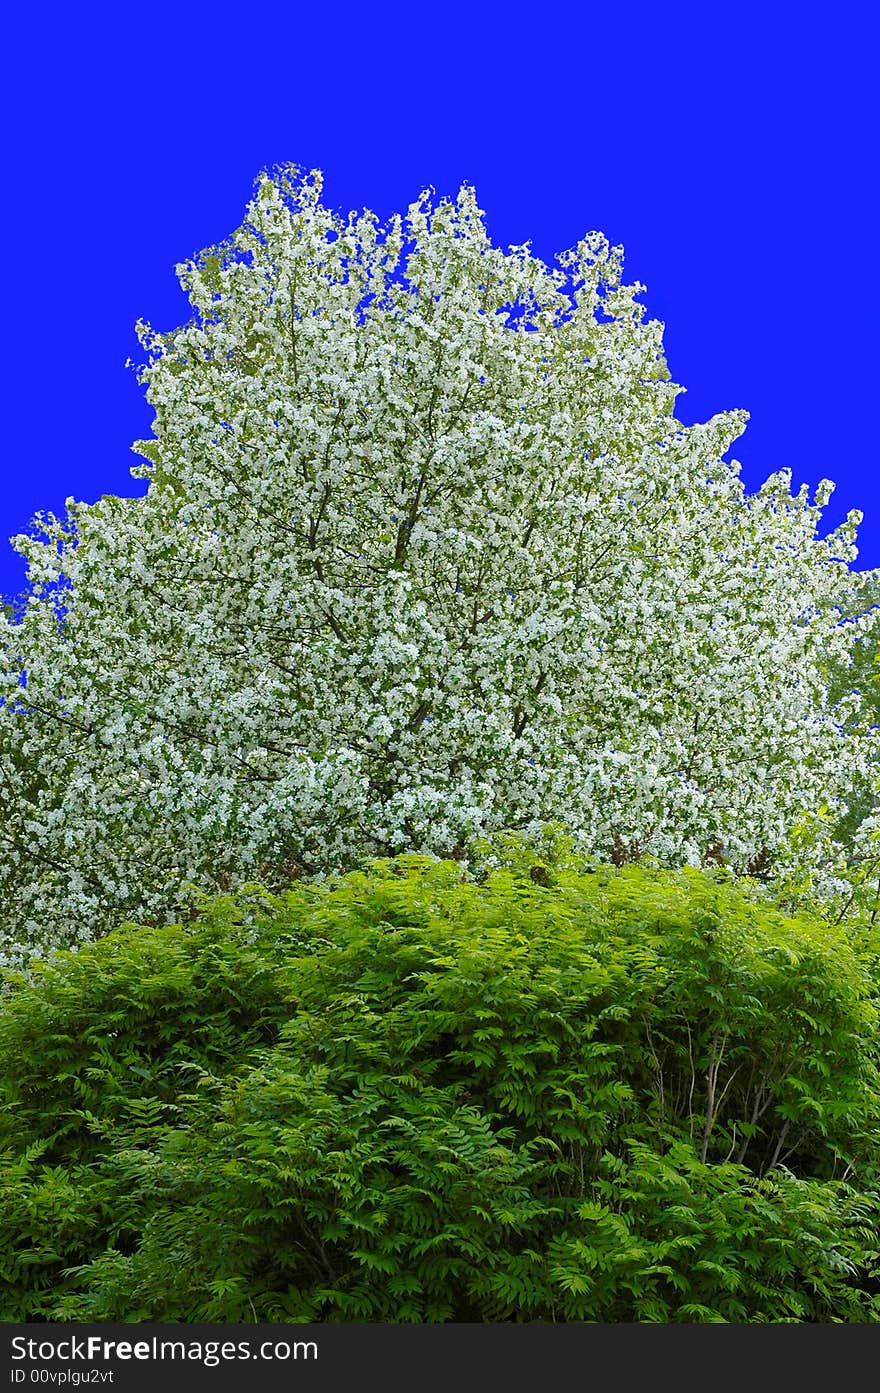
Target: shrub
[407,1096]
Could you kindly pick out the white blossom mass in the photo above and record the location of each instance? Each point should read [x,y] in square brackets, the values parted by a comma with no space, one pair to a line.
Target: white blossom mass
[425,555]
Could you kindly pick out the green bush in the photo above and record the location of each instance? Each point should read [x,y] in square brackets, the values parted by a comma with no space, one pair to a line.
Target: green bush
[406,1096]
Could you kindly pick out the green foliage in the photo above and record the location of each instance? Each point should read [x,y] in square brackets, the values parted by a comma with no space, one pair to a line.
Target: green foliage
[860,673]
[406,1096]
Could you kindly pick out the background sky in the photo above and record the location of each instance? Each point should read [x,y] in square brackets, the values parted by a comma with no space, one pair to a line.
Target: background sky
[731,149]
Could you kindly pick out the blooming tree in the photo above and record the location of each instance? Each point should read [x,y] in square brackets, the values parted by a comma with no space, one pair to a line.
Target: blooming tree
[424,554]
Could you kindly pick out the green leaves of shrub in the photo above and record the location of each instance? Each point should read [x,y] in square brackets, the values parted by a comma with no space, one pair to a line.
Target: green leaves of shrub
[406,1096]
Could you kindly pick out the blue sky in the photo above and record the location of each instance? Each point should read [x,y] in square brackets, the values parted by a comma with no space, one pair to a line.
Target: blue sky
[730,149]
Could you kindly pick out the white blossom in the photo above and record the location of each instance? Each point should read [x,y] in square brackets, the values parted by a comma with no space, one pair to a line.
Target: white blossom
[425,554]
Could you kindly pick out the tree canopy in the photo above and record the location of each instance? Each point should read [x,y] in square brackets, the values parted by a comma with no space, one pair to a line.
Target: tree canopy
[425,555]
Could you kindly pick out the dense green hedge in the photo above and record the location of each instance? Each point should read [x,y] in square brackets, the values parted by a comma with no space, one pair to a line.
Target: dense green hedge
[625,1096]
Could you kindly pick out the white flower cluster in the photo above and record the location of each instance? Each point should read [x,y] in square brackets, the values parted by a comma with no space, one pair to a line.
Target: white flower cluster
[424,555]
